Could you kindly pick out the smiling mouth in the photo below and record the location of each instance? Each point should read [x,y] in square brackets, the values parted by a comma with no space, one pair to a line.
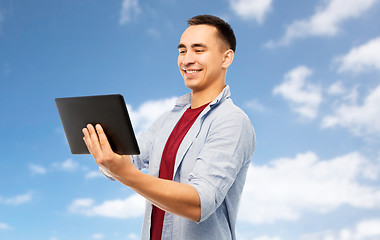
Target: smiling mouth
[191,71]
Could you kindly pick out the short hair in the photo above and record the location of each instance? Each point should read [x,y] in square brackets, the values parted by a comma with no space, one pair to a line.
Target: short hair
[224,29]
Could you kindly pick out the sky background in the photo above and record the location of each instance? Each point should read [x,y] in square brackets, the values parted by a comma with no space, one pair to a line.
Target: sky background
[306,73]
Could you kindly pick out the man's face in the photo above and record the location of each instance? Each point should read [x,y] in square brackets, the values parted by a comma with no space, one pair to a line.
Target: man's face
[200,59]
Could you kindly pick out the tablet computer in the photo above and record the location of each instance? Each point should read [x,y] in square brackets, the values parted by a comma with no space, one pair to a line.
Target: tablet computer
[109,111]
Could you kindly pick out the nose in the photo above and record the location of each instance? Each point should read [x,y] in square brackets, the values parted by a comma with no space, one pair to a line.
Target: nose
[187,59]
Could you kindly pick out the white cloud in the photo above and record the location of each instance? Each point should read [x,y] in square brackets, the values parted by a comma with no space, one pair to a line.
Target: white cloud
[93,174]
[251,9]
[303,96]
[255,105]
[131,207]
[352,95]
[341,94]
[148,112]
[79,204]
[286,187]
[129,10]
[326,21]
[362,120]
[68,165]
[362,58]
[364,230]
[37,169]
[17,200]
[336,88]
[4,226]
[97,236]
[133,236]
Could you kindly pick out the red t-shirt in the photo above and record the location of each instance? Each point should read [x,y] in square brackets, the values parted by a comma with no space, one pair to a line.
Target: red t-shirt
[168,161]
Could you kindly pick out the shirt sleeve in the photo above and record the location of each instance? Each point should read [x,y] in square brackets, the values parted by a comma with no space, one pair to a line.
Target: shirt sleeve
[229,145]
[106,173]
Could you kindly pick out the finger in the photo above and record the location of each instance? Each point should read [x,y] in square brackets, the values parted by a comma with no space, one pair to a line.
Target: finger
[103,140]
[86,137]
[87,140]
[95,147]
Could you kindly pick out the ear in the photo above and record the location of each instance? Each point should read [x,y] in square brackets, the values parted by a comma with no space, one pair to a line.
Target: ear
[228,57]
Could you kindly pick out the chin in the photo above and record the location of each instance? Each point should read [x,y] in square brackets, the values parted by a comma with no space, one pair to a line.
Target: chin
[191,84]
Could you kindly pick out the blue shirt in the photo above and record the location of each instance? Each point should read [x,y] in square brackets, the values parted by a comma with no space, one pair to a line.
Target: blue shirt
[213,158]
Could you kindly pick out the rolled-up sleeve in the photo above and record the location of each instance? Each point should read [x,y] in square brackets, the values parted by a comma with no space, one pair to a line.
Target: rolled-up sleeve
[229,145]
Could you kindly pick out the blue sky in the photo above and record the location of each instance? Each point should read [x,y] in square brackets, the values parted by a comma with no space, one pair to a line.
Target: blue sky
[306,73]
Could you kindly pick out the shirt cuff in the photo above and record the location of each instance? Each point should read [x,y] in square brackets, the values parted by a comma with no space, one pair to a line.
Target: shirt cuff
[206,197]
[106,173]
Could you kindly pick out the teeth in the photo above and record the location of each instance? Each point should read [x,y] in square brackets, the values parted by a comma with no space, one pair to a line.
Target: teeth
[192,71]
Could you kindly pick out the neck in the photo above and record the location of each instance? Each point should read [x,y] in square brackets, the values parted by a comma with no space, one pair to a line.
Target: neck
[200,98]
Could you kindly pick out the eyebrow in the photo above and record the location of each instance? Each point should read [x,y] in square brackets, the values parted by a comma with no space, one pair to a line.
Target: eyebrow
[181,45]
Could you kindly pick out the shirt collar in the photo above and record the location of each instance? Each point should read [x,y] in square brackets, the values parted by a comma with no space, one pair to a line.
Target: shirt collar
[186,99]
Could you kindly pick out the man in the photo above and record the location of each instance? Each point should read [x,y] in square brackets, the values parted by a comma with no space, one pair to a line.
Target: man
[197,154]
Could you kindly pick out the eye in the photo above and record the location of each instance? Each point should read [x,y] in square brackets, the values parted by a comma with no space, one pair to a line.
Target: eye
[181,51]
[199,50]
